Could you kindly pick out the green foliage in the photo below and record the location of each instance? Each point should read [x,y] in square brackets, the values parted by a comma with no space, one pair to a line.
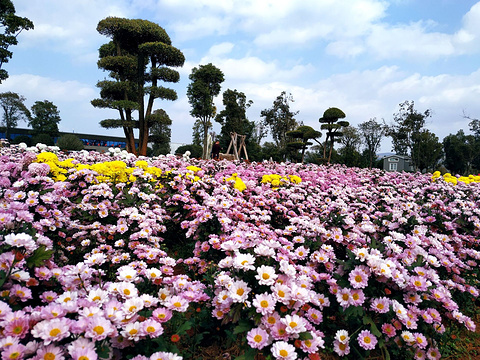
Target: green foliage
[427,151]
[22,138]
[461,153]
[304,134]
[45,118]
[407,124]
[14,110]
[42,139]
[39,257]
[137,58]
[333,127]
[280,120]
[372,133]
[69,142]
[205,84]
[12,25]
[234,119]
[195,150]
[160,132]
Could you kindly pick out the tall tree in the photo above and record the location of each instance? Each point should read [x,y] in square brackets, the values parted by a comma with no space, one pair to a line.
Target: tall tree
[427,150]
[461,152]
[45,118]
[280,120]
[14,110]
[205,84]
[372,134]
[138,57]
[349,152]
[12,25]
[304,134]
[333,126]
[161,133]
[233,117]
[408,123]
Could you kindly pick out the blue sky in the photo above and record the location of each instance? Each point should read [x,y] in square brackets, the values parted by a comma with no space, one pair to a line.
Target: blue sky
[362,56]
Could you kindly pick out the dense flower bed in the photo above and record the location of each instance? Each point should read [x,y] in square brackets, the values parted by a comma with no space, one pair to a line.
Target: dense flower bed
[110,256]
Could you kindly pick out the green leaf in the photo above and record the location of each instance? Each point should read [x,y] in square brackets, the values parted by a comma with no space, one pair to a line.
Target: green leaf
[103,351]
[187,325]
[39,257]
[306,335]
[243,326]
[367,320]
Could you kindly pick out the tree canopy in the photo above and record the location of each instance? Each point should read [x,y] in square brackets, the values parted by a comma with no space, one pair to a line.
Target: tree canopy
[138,57]
[205,85]
[303,134]
[233,117]
[14,110]
[406,127]
[11,25]
[372,133]
[332,124]
[280,120]
[45,118]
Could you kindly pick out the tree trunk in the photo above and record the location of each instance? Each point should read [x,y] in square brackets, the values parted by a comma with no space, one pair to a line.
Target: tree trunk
[205,139]
[142,123]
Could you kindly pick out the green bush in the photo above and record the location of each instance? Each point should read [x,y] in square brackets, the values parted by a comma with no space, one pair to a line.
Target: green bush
[69,142]
[195,150]
[42,139]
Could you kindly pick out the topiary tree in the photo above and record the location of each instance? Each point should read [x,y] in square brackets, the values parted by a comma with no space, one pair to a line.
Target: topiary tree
[304,134]
[70,142]
[331,124]
[138,58]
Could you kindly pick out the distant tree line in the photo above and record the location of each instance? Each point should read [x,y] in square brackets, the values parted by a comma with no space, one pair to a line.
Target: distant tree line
[139,57]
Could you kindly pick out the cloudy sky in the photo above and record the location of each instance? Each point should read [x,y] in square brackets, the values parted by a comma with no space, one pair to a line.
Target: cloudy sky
[362,56]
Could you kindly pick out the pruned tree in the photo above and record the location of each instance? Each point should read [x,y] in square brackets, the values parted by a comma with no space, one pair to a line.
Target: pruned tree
[45,118]
[14,110]
[138,57]
[280,120]
[205,85]
[304,134]
[12,25]
[407,124]
[372,133]
[333,126]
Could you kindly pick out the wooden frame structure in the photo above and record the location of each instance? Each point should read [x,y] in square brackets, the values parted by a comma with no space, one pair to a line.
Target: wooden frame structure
[237,150]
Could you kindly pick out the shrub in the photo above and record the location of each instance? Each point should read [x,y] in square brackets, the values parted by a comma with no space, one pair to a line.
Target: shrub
[69,142]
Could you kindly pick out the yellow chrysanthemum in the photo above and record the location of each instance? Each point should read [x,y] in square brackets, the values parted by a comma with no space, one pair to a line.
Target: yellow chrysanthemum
[142,164]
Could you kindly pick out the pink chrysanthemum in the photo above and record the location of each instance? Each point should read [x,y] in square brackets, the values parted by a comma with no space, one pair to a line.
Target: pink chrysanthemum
[358,278]
[50,352]
[264,303]
[284,351]
[340,348]
[367,340]
[257,338]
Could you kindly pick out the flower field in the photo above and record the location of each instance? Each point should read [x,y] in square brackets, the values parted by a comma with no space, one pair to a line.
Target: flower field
[109,256]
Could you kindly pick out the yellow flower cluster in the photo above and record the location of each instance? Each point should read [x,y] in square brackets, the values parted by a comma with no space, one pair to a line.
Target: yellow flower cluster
[449,178]
[239,184]
[110,171]
[58,169]
[278,180]
[113,171]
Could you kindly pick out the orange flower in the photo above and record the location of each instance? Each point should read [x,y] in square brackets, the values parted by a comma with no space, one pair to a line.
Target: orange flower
[175,338]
